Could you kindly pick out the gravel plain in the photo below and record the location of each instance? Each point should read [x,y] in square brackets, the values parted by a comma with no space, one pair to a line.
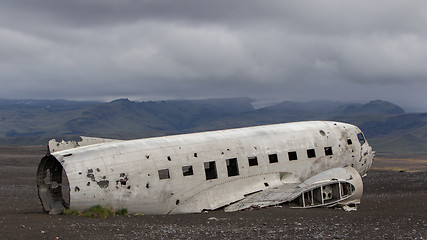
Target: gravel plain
[394,206]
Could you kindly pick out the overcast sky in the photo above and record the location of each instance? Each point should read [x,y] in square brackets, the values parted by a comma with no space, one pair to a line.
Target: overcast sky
[269,50]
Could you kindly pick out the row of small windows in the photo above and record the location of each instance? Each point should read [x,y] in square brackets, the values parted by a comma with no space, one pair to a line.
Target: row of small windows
[293,155]
[233,165]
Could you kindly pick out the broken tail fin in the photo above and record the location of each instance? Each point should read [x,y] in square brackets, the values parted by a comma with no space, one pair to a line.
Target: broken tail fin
[55,146]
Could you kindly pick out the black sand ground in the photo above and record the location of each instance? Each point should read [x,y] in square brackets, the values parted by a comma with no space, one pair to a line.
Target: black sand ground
[394,206]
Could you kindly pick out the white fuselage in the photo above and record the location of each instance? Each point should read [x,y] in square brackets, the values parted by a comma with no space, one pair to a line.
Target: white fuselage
[176,174]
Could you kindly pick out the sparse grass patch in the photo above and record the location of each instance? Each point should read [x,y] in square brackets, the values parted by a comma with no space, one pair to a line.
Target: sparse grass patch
[122,212]
[97,212]
[68,211]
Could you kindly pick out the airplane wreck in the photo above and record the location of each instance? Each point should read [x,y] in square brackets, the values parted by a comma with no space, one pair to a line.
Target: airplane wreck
[302,164]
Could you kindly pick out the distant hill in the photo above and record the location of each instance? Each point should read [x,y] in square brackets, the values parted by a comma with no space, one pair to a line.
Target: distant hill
[30,122]
[372,108]
[339,108]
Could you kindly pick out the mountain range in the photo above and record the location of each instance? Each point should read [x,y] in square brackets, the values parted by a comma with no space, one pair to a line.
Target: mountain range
[33,122]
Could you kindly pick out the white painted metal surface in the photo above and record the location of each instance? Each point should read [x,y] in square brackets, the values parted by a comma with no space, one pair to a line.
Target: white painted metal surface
[168,175]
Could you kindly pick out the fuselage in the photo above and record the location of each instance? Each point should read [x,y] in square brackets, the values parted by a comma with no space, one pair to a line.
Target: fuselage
[201,171]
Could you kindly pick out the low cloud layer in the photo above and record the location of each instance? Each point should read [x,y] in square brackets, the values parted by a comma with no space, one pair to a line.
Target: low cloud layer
[284,50]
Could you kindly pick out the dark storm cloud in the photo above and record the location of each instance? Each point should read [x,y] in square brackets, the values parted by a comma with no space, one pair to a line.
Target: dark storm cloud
[302,50]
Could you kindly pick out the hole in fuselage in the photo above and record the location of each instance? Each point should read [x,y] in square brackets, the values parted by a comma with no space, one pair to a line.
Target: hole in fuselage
[52,185]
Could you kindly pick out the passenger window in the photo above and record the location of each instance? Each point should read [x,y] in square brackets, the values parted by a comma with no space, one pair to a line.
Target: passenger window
[311,153]
[349,142]
[187,170]
[328,151]
[292,156]
[253,161]
[273,158]
[164,174]
[361,138]
[232,167]
[210,170]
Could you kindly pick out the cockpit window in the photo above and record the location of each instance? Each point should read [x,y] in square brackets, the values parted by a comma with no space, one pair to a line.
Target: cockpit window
[361,138]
